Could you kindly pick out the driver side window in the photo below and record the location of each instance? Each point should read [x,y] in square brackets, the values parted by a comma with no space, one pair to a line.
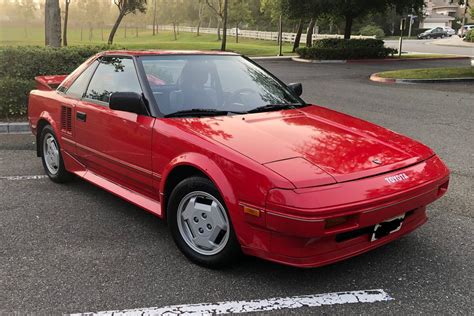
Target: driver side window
[114,74]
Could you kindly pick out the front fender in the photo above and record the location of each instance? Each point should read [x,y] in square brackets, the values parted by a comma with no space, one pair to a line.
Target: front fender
[206,166]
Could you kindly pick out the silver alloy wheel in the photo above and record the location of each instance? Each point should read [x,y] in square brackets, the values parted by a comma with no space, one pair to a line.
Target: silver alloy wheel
[203,223]
[51,154]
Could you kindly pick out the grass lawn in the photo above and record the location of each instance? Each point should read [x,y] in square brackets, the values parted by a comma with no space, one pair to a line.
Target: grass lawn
[430,73]
[15,36]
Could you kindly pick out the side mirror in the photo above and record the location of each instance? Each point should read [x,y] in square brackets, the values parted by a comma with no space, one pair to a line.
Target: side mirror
[128,102]
[296,88]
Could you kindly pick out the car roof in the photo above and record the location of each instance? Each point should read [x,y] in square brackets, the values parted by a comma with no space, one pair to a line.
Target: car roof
[165,52]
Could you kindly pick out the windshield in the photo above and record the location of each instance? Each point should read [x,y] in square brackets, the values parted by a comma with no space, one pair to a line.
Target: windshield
[212,82]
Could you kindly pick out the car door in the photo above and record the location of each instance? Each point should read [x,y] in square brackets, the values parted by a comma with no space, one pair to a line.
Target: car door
[114,144]
[70,95]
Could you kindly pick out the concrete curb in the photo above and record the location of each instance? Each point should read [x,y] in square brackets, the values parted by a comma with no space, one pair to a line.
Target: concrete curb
[316,61]
[13,128]
[272,58]
[370,61]
[375,77]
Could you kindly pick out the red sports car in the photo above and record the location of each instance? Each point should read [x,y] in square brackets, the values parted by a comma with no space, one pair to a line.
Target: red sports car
[232,158]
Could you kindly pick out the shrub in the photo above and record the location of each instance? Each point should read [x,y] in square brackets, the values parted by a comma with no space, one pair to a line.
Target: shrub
[469,36]
[14,96]
[19,66]
[352,43]
[371,30]
[340,49]
[26,62]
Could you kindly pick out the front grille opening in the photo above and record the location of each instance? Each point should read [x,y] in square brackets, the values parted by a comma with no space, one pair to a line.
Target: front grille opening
[363,231]
[354,233]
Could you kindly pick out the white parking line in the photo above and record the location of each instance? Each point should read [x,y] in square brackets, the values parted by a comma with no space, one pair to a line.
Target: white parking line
[265,305]
[17,178]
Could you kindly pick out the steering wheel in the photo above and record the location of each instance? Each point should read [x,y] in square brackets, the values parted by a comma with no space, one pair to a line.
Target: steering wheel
[236,97]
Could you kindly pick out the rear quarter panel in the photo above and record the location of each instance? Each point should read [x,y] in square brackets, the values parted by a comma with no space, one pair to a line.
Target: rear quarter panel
[44,107]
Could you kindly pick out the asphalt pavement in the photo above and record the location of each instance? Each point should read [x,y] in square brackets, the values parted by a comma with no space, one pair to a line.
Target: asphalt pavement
[430,46]
[75,248]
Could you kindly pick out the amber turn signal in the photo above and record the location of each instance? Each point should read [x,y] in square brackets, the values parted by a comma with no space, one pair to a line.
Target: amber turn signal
[251,211]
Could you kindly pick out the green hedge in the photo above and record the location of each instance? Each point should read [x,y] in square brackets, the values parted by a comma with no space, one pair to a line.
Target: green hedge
[19,66]
[340,49]
[352,43]
[14,96]
[344,53]
[469,36]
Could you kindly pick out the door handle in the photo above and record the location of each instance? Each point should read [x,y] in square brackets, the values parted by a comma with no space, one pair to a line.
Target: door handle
[81,116]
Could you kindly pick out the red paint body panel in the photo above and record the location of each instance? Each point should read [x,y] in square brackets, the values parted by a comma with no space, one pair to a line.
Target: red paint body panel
[105,146]
[299,167]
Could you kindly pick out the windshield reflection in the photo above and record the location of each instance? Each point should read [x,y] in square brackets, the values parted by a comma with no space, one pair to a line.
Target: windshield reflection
[222,83]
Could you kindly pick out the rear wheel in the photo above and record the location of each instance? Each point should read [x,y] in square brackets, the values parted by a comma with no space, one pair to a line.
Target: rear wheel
[51,156]
[200,224]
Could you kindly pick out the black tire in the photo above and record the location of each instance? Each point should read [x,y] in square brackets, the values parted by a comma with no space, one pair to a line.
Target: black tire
[61,175]
[231,250]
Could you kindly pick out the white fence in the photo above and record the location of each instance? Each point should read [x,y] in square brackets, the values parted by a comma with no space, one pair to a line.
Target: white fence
[261,35]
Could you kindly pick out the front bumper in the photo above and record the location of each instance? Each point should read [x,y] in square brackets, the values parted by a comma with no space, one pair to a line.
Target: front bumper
[301,222]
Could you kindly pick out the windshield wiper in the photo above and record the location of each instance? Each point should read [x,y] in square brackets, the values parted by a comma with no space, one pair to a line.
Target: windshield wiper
[202,112]
[274,107]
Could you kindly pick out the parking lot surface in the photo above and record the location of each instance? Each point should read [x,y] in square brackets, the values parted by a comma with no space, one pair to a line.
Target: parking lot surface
[75,248]
[432,46]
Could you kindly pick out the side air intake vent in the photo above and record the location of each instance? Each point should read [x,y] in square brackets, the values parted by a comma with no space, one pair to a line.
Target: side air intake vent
[66,119]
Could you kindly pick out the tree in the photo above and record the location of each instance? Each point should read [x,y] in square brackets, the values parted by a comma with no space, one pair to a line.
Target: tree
[218,8]
[27,10]
[66,16]
[154,17]
[352,9]
[274,10]
[126,7]
[52,23]
[349,10]
[173,11]
[200,16]
[224,28]
[465,3]
[239,11]
[303,11]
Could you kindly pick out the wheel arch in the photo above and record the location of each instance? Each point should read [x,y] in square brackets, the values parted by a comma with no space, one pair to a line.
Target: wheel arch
[191,164]
[44,120]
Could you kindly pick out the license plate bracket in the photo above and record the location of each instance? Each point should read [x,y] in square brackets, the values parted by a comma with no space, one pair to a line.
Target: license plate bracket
[387,227]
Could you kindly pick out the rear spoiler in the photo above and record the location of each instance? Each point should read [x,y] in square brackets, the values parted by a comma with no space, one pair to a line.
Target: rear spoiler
[49,82]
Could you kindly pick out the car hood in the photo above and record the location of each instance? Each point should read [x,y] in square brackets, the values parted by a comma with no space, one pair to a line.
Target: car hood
[313,142]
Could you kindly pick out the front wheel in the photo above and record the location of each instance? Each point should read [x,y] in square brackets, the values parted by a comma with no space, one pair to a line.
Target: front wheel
[200,224]
[51,156]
